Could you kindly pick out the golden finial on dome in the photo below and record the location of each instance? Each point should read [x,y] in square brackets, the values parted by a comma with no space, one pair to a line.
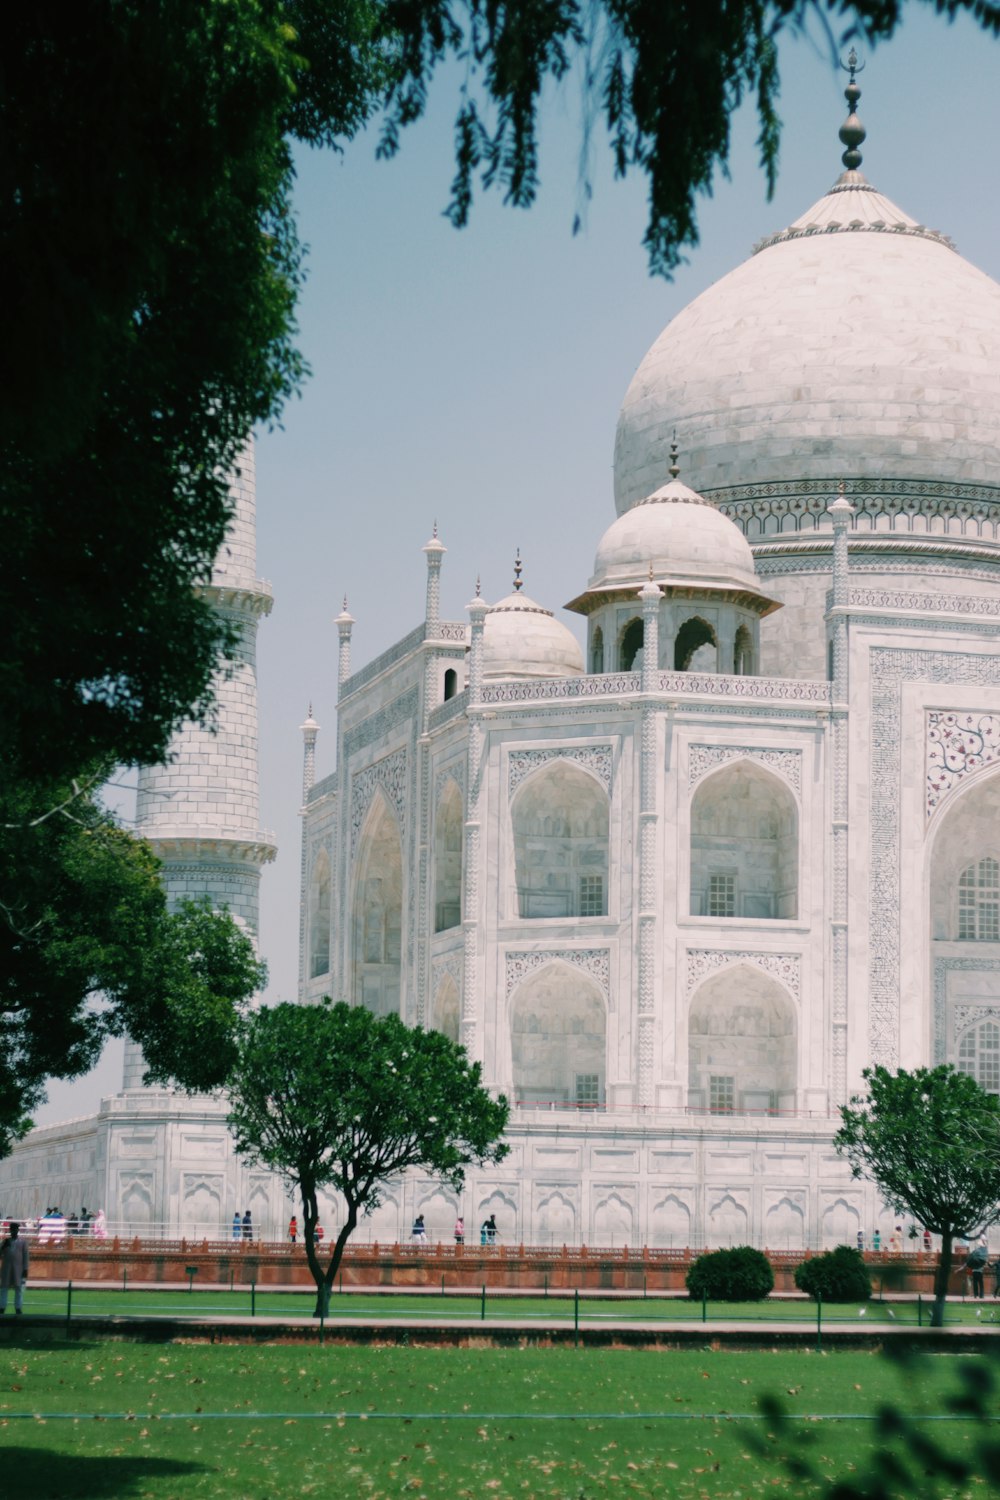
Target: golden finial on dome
[852,132]
[675,467]
[518,585]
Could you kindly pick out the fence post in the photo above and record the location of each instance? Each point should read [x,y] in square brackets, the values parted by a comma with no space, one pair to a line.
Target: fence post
[704,1307]
[442,1283]
[819,1321]
[69,1301]
[482,1305]
[920,1311]
[576,1317]
[253,1299]
[124,1278]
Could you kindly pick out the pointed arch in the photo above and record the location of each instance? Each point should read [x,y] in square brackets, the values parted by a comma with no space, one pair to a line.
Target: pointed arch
[597,650]
[744,845]
[558,1033]
[377,919]
[560,819]
[319,916]
[742,1044]
[696,647]
[447,1009]
[743,662]
[630,643]
[448,830]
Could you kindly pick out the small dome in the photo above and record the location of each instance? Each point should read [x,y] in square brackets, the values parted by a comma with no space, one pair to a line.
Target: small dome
[521,639]
[682,537]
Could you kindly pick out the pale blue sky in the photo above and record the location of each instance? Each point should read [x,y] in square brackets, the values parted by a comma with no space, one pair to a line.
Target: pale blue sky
[475,376]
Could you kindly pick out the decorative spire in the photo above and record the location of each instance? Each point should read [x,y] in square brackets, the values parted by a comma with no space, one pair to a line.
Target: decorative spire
[479,588]
[675,467]
[852,132]
[518,585]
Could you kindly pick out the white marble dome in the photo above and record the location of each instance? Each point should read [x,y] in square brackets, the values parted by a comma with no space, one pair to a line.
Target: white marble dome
[522,639]
[682,537]
[855,343]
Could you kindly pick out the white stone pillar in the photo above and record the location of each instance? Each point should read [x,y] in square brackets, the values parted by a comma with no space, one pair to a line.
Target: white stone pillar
[470,1038]
[841,513]
[310,731]
[434,551]
[650,595]
[345,624]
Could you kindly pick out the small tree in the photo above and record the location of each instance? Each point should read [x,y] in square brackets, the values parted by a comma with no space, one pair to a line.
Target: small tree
[742,1274]
[838,1276]
[930,1141]
[332,1096]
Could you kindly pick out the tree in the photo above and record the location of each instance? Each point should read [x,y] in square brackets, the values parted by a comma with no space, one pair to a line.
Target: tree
[88,950]
[930,1141]
[332,1096]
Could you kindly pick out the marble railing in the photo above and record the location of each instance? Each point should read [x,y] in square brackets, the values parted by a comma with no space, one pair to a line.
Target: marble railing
[669,684]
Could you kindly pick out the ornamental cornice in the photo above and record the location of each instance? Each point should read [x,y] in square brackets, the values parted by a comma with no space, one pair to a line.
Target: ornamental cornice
[705,758]
[784,967]
[956,745]
[907,599]
[669,684]
[256,601]
[814,496]
[365,733]
[597,759]
[195,844]
[595,962]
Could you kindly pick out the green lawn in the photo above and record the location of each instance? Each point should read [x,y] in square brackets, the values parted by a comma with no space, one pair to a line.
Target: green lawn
[91,1298]
[193,1420]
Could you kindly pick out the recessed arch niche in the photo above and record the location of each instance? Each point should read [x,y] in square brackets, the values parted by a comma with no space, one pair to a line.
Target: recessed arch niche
[560,817]
[696,648]
[446,1008]
[448,858]
[630,646]
[377,923]
[319,917]
[744,845]
[742,1044]
[558,1035]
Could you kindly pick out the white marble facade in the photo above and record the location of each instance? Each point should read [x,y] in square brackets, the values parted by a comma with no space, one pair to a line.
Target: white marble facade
[676,889]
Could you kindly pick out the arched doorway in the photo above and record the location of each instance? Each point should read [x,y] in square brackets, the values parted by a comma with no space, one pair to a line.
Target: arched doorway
[560,820]
[742,1044]
[744,845]
[377,926]
[558,1027]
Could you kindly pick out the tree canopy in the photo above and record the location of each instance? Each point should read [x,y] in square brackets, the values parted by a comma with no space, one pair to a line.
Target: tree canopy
[930,1141]
[335,1098]
[89,950]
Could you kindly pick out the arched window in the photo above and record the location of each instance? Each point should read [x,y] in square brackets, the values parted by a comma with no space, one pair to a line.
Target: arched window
[744,845]
[319,917]
[560,823]
[979,902]
[597,650]
[979,1055]
[743,653]
[377,927]
[558,1026]
[450,683]
[448,859]
[741,1044]
[631,646]
[696,648]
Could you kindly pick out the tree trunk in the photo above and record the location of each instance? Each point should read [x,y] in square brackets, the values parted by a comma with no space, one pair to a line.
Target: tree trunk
[310,1218]
[941,1281]
[349,1226]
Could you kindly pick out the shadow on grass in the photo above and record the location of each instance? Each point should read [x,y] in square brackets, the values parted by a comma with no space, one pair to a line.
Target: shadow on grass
[45,1472]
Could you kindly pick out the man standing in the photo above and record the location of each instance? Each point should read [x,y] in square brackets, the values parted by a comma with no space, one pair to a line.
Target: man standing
[13,1268]
[976,1265]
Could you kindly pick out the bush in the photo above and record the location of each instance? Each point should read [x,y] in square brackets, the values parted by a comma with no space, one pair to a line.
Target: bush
[839,1276]
[740,1275]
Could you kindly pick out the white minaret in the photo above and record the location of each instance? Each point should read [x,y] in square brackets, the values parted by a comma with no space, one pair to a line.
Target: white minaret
[200,811]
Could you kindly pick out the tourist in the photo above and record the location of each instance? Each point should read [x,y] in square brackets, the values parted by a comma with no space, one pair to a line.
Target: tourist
[419,1232]
[247,1226]
[99,1226]
[293,1229]
[927,1242]
[975,1265]
[237,1226]
[492,1234]
[14,1259]
[460,1230]
[877,1241]
[861,1242]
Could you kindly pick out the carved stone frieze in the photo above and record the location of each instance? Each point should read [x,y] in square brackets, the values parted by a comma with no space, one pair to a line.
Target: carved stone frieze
[447,966]
[791,507]
[704,758]
[784,967]
[596,962]
[454,771]
[371,729]
[594,758]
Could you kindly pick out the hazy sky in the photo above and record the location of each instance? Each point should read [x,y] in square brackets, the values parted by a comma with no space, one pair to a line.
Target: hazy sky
[475,376]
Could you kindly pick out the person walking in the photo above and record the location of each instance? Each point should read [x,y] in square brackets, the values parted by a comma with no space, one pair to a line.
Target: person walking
[460,1230]
[419,1231]
[14,1260]
[293,1229]
[975,1265]
[247,1226]
[237,1226]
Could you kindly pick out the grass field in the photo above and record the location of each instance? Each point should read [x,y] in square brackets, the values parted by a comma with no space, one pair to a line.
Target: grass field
[142,1302]
[272,1422]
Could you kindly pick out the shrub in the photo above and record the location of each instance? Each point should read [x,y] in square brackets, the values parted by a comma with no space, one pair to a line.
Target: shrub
[839,1276]
[739,1275]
